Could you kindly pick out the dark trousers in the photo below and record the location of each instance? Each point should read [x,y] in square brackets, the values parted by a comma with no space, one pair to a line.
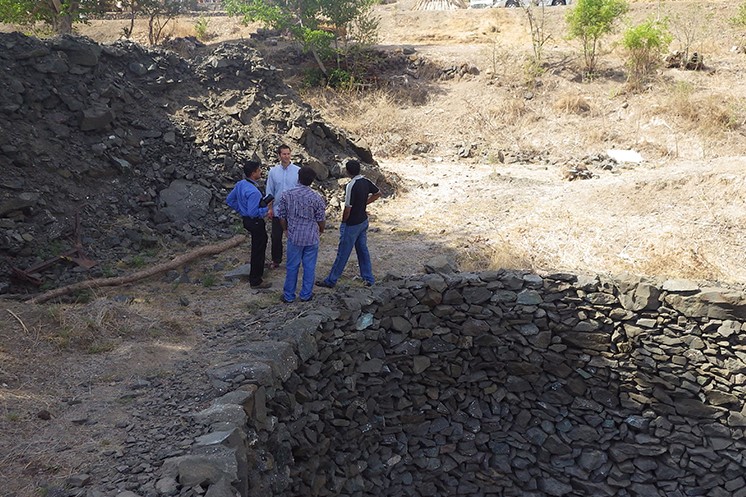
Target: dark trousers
[276,240]
[258,232]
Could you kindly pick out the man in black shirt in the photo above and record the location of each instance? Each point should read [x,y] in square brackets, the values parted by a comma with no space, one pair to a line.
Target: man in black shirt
[353,232]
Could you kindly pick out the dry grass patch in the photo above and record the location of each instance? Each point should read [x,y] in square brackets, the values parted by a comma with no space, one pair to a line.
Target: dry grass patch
[376,116]
[711,113]
[482,254]
[100,325]
[571,104]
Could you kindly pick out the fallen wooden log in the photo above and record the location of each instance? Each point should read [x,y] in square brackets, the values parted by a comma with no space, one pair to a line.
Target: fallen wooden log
[145,273]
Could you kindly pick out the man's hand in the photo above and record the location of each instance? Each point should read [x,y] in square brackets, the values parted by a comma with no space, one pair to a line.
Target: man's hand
[270,213]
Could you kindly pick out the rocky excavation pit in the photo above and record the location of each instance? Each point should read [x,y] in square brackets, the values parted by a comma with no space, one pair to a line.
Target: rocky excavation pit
[489,384]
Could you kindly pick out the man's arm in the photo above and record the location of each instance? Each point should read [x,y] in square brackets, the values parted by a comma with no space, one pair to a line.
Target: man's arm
[322,225]
[270,190]
[373,198]
[270,186]
[284,224]
[253,197]
[345,214]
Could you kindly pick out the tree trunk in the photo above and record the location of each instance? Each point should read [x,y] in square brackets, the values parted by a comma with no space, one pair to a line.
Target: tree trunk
[63,25]
[145,273]
[318,61]
[64,12]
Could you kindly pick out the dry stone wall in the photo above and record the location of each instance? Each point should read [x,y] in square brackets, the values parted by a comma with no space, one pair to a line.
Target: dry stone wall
[491,384]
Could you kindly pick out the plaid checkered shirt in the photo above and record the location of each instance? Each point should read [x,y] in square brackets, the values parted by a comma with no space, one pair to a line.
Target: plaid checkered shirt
[303,209]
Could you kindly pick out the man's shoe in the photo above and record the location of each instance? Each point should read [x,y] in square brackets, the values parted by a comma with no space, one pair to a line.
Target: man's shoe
[273,265]
[263,284]
[368,283]
[285,301]
[324,284]
[308,299]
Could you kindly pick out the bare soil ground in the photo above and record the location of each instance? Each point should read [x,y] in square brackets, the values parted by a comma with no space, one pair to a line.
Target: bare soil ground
[680,213]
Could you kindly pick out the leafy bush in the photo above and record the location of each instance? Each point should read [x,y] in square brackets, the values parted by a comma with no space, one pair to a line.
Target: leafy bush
[200,27]
[340,79]
[645,43]
[589,21]
[318,25]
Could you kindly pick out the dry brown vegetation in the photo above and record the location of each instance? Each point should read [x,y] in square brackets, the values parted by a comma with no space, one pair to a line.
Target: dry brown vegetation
[679,213]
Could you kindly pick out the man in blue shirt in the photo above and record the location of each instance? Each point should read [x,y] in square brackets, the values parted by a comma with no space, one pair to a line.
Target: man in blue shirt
[245,198]
[282,178]
[353,232]
[302,213]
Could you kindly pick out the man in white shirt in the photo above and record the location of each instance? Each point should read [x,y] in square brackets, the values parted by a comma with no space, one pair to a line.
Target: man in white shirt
[281,178]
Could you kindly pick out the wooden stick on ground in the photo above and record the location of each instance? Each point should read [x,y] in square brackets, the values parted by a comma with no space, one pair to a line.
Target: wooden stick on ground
[145,273]
[18,319]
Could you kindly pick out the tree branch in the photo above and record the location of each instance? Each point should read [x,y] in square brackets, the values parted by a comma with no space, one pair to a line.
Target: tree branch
[145,273]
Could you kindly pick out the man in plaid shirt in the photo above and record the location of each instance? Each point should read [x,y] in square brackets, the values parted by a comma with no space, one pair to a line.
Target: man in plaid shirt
[302,213]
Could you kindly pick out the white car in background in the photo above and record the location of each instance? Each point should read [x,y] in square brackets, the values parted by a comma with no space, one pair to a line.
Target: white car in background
[481,4]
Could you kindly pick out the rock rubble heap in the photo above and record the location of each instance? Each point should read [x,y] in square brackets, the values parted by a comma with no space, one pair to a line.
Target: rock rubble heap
[141,145]
[490,384]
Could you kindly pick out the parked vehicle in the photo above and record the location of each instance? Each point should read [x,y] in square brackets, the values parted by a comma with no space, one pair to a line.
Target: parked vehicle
[481,4]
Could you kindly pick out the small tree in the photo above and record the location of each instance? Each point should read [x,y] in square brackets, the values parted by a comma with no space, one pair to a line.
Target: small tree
[591,20]
[645,44]
[690,29]
[316,24]
[539,35]
[159,13]
[59,14]
[131,6]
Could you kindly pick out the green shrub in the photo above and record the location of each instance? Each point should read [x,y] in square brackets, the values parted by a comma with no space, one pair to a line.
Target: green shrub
[645,44]
[137,261]
[312,78]
[590,20]
[200,27]
[340,79]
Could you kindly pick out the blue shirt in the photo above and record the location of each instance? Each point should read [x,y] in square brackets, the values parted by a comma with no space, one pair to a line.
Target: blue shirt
[303,209]
[281,179]
[245,198]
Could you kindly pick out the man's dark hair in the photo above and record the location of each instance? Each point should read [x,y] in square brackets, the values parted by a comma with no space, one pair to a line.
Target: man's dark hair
[306,175]
[353,167]
[281,148]
[250,166]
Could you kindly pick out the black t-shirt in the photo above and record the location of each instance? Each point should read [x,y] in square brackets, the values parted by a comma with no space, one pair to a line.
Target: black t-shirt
[357,193]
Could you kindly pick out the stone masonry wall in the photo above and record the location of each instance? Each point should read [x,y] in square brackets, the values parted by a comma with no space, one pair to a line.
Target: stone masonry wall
[489,384]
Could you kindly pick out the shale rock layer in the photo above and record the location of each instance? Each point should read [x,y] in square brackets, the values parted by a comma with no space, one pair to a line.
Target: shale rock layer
[490,384]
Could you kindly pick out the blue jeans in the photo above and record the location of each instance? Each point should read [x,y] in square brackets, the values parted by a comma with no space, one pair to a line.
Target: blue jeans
[295,256]
[352,236]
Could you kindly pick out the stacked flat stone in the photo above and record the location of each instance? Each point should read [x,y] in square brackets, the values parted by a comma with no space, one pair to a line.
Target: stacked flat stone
[499,384]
